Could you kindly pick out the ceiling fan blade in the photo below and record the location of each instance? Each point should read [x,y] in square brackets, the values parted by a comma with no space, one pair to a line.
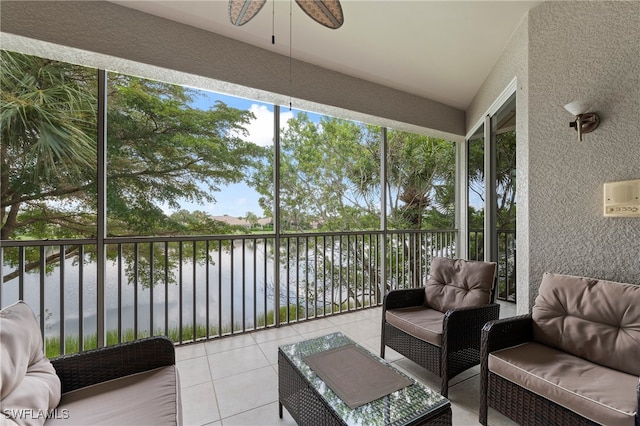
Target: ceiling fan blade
[325,12]
[242,11]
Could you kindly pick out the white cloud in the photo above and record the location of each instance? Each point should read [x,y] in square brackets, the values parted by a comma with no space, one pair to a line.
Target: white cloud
[261,128]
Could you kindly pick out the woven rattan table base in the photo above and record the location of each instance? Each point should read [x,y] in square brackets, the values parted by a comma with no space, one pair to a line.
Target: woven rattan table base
[310,402]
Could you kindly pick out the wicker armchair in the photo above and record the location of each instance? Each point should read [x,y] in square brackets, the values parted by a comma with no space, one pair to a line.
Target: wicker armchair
[439,326]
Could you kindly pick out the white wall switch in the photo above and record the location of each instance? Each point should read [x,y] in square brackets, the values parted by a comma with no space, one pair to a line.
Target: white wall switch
[622,199]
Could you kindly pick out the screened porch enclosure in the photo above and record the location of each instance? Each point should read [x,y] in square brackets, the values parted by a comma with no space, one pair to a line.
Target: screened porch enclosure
[124,224]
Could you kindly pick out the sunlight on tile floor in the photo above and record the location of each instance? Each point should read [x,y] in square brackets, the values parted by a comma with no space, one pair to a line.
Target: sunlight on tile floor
[233,380]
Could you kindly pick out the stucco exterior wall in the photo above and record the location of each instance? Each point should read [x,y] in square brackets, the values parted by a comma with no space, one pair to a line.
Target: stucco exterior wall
[582,50]
[568,51]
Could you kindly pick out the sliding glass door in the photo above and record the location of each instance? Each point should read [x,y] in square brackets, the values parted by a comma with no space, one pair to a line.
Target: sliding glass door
[476,194]
[491,194]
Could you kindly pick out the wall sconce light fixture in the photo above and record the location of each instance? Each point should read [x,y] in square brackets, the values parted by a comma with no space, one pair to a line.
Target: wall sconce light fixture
[585,121]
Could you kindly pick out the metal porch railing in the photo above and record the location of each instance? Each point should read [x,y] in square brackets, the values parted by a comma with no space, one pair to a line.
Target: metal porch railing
[204,287]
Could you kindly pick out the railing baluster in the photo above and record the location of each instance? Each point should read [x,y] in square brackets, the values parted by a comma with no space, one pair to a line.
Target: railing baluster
[403,262]
[80,296]
[219,287]
[397,273]
[378,281]
[22,266]
[324,275]
[166,288]
[315,274]
[297,273]
[255,284]
[244,285]
[264,275]
[120,270]
[340,281]
[180,282]
[232,284]
[136,277]
[306,273]
[372,259]
[352,290]
[193,309]
[43,272]
[152,282]
[288,275]
[361,267]
[62,324]
[206,289]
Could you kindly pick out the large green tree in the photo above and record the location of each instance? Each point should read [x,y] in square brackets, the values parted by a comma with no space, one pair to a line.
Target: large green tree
[325,177]
[330,177]
[330,181]
[161,151]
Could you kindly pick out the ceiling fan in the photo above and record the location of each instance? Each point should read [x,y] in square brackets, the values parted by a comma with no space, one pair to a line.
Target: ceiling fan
[325,12]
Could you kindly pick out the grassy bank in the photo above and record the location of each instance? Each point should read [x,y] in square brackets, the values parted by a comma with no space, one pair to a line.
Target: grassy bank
[189,333]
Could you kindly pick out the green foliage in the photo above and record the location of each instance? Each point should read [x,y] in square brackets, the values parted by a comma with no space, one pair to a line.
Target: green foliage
[48,150]
[323,183]
[330,181]
[506,180]
[286,313]
[160,151]
[330,177]
[90,341]
[421,181]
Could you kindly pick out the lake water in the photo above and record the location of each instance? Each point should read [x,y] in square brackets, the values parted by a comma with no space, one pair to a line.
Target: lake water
[238,283]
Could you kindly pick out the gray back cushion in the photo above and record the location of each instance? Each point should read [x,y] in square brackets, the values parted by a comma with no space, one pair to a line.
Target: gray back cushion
[594,319]
[458,283]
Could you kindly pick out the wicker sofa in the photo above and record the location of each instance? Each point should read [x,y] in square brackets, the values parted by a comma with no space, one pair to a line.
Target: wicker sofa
[574,360]
[128,383]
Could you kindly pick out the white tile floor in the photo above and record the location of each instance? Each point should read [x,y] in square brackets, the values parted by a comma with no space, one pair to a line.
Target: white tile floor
[233,380]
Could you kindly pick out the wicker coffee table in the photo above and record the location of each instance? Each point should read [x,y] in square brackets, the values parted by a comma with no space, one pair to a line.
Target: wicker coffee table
[311,402]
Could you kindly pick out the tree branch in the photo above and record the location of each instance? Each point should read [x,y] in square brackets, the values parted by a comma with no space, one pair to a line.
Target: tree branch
[53,258]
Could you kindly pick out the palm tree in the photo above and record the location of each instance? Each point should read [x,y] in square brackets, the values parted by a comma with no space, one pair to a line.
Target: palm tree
[48,128]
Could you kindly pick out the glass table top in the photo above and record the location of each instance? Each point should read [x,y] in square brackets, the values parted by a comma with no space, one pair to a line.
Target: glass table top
[398,408]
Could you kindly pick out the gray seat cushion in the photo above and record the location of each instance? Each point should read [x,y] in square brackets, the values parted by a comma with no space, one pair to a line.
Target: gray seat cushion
[151,398]
[599,393]
[418,321]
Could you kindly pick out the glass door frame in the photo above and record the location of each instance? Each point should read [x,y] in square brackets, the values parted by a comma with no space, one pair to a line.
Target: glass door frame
[490,202]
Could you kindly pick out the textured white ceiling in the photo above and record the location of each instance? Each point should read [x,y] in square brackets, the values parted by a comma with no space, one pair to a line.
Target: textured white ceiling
[441,50]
